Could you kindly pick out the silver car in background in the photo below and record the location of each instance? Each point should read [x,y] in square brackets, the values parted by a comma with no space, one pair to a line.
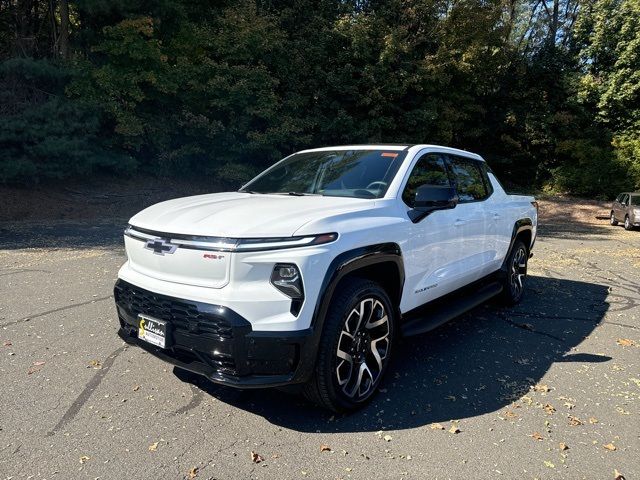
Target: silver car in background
[626,208]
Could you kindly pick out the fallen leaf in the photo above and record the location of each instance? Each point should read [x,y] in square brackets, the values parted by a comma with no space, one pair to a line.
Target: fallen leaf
[325,448]
[84,459]
[35,366]
[541,388]
[536,436]
[574,421]
[454,429]
[436,426]
[593,420]
[7,343]
[510,414]
[193,473]
[256,458]
[549,464]
[136,388]
[387,438]
[563,446]
[153,447]
[625,342]
[610,446]
[549,409]
[569,405]
[95,364]
[617,475]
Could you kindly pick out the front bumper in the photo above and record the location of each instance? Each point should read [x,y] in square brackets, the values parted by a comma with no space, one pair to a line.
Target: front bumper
[215,341]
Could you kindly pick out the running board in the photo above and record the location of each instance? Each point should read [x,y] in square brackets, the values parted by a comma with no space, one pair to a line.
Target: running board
[438,312]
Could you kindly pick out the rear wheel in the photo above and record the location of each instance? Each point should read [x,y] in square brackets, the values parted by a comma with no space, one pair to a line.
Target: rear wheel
[613,220]
[355,347]
[627,223]
[513,286]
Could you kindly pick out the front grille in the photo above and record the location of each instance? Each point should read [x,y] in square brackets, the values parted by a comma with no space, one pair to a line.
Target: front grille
[183,315]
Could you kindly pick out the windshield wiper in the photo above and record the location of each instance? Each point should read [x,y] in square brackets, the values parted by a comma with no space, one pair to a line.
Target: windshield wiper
[250,191]
[302,194]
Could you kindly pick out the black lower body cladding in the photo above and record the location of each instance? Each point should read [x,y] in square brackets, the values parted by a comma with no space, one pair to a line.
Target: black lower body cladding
[212,340]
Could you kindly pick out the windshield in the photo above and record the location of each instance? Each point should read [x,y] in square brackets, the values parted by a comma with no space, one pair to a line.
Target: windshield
[337,173]
[635,200]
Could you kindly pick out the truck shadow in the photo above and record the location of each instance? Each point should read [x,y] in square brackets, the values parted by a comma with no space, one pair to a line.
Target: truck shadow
[476,364]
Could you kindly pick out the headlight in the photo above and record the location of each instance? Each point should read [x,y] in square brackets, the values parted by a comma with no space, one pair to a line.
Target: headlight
[286,278]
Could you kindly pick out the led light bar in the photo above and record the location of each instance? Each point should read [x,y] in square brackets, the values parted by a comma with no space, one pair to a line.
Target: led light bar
[225,244]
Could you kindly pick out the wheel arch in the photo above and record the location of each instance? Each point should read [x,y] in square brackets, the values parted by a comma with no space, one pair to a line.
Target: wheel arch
[381,263]
[522,230]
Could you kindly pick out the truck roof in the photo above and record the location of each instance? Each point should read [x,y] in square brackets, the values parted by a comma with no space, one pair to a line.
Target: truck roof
[396,147]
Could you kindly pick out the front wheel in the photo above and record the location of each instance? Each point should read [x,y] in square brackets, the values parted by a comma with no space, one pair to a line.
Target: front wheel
[513,286]
[613,220]
[355,347]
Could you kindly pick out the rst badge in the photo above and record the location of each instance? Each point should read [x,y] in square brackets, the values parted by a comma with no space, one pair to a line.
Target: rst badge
[160,247]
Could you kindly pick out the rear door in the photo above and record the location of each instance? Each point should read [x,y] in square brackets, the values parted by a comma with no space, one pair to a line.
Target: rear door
[474,220]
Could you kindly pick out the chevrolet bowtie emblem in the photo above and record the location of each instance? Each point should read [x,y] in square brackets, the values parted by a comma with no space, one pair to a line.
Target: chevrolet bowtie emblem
[160,247]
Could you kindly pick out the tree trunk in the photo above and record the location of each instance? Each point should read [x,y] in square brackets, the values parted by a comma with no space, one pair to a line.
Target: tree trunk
[64,29]
[553,30]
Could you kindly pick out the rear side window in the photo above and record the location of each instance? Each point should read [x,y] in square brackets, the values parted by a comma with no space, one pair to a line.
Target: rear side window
[625,197]
[471,181]
[430,169]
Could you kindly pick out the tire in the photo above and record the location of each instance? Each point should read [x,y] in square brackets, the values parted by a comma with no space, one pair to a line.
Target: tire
[612,219]
[627,223]
[355,347]
[514,282]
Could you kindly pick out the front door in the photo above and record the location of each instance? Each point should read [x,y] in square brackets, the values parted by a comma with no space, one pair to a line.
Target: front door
[436,244]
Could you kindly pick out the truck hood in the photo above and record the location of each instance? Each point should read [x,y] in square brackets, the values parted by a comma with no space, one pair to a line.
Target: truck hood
[243,215]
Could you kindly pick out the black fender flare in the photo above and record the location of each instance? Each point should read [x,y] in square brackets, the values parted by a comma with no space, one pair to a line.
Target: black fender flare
[520,226]
[341,266]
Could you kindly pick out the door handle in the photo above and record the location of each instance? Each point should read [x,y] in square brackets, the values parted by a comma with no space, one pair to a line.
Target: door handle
[459,222]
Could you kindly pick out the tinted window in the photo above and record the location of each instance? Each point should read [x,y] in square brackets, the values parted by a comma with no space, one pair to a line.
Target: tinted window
[469,180]
[430,169]
[635,200]
[619,198]
[625,197]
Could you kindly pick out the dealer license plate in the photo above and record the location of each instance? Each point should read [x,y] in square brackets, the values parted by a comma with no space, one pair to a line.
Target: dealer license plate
[152,330]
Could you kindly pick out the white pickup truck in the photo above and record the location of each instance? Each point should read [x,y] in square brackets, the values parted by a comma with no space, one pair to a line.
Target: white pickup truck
[310,272]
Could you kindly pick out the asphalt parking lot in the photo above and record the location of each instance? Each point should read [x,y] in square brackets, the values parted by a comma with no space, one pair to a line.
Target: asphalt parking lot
[546,390]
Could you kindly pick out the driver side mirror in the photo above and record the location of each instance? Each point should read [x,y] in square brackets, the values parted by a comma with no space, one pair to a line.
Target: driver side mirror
[430,198]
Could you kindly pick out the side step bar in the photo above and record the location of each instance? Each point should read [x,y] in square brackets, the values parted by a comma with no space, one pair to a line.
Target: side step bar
[433,315]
